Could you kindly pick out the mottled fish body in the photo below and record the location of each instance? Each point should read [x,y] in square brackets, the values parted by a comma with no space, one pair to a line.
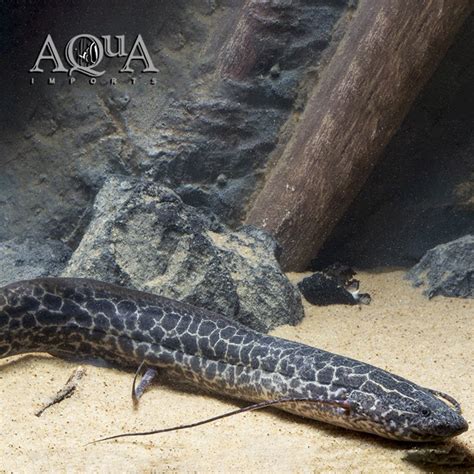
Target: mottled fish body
[87,318]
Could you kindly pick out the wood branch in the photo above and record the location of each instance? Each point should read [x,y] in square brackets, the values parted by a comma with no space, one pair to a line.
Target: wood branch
[390,50]
[246,46]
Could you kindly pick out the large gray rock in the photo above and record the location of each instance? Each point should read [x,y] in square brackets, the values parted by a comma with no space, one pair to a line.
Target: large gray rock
[143,236]
[30,258]
[447,269]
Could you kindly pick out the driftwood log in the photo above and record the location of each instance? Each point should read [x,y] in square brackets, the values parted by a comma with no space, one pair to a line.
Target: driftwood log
[390,50]
[245,47]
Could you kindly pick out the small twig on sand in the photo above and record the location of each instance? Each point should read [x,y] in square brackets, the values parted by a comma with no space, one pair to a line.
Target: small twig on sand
[66,391]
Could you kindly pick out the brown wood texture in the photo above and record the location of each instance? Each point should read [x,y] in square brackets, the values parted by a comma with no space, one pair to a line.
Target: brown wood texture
[390,50]
[243,49]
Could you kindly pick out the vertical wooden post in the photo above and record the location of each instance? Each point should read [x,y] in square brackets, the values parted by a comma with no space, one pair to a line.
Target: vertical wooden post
[390,50]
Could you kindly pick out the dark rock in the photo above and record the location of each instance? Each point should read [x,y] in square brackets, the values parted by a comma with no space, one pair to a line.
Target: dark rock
[333,285]
[142,235]
[30,258]
[447,269]
[321,289]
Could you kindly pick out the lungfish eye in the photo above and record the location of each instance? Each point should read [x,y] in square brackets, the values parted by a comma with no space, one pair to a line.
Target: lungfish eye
[425,412]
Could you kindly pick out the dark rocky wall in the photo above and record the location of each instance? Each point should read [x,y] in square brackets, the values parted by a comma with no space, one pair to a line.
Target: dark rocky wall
[208,139]
[421,193]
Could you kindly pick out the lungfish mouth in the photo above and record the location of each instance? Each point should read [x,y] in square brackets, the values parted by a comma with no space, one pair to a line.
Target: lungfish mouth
[460,427]
[447,428]
[453,424]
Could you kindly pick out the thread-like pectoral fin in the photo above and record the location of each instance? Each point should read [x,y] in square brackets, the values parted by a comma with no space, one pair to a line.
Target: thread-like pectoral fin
[146,380]
[342,405]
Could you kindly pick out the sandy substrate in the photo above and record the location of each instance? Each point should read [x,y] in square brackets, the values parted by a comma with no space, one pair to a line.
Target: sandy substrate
[429,342]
